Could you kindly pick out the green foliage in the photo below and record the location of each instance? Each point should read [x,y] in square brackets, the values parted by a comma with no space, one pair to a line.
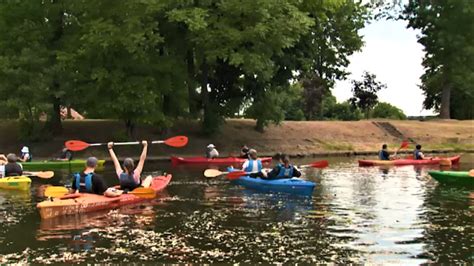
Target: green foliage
[447,34]
[342,111]
[365,93]
[386,110]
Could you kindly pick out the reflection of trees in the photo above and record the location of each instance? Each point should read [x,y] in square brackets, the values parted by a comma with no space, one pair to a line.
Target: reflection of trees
[450,223]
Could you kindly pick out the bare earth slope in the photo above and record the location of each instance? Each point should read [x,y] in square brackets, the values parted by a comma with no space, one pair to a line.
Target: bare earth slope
[315,137]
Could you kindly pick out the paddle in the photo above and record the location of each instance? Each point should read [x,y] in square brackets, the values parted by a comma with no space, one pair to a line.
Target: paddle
[58,191]
[237,174]
[404,145]
[78,145]
[471,173]
[40,174]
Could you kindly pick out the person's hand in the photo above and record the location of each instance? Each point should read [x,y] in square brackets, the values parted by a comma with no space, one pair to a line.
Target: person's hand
[110,145]
[144,143]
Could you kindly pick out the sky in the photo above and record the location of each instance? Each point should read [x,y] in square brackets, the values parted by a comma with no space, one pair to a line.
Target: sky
[392,53]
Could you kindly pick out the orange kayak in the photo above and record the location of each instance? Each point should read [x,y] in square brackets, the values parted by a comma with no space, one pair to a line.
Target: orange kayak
[204,160]
[91,202]
[434,160]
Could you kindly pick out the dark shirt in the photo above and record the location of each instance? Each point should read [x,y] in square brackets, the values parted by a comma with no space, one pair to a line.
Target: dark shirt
[384,155]
[66,155]
[13,169]
[275,171]
[244,153]
[98,184]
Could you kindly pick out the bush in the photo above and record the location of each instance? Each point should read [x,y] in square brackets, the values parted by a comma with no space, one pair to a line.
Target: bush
[386,110]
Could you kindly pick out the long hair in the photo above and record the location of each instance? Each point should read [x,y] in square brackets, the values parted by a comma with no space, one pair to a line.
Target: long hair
[128,165]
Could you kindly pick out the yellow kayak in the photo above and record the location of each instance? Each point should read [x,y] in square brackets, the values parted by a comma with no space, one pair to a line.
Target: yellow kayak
[15,182]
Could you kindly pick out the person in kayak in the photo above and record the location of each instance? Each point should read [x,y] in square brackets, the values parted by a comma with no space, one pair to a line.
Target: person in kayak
[88,181]
[417,154]
[25,155]
[211,152]
[253,164]
[129,176]
[283,170]
[244,152]
[13,168]
[383,153]
[66,155]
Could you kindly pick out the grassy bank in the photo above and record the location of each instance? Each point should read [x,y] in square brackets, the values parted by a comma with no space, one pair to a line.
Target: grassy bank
[296,138]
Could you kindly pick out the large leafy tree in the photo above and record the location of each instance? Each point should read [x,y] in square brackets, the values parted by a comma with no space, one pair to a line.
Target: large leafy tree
[365,92]
[447,34]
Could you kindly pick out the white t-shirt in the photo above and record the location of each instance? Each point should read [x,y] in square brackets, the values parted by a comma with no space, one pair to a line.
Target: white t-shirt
[2,171]
[214,153]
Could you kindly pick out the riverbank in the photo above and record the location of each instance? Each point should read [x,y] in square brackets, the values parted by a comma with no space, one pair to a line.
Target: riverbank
[313,138]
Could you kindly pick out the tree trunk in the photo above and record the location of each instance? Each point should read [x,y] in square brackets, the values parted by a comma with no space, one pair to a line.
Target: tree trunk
[68,114]
[205,94]
[55,121]
[130,128]
[192,95]
[445,102]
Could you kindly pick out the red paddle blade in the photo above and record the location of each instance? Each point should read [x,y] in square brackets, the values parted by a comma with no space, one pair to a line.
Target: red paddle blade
[76,145]
[178,141]
[319,164]
[404,144]
[236,175]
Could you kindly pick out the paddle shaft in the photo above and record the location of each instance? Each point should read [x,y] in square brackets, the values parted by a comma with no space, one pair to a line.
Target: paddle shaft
[126,143]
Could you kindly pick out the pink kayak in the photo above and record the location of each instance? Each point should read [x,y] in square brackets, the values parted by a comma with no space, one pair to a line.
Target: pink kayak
[91,202]
[434,160]
[223,160]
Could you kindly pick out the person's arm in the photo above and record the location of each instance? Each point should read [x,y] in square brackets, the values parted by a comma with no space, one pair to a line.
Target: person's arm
[245,165]
[422,156]
[274,172]
[296,172]
[118,168]
[3,157]
[141,162]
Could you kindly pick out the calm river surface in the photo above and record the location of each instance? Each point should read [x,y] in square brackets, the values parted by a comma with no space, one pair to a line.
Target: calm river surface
[372,215]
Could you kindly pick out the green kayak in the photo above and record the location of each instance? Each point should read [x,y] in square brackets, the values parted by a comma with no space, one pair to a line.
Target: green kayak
[452,177]
[58,165]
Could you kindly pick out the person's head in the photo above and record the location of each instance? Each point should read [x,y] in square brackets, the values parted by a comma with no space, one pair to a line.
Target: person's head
[25,149]
[253,154]
[279,156]
[91,162]
[11,158]
[245,148]
[211,146]
[128,165]
[286,159]
[418,147]
[384,147]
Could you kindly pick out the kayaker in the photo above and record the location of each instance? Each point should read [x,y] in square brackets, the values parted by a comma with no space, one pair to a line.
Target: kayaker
[13,168]
[253,164]
[244,152]
[417,154]
[25,155]
[383,153]
[66,155]
[283,170]
[3,159]
[211,152]
[129,176]
[88,181]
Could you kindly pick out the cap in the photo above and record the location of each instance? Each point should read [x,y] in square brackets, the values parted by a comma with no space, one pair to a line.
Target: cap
[211,146]
[25,149]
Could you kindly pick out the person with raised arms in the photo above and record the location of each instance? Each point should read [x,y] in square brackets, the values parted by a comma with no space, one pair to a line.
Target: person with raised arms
[129,176]
[283,170]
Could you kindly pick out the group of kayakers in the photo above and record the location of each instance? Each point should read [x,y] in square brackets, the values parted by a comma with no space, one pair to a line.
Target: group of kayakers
[384,155]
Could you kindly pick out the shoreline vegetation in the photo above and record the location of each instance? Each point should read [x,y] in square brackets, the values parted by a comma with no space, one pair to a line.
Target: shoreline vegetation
[297,138]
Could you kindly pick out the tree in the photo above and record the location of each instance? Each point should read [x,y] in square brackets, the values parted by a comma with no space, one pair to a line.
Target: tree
[365,93]
[386,110]
[447,34]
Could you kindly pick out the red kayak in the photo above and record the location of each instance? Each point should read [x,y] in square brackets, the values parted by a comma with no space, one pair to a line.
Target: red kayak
[223,160]
[434,160]
[91,202]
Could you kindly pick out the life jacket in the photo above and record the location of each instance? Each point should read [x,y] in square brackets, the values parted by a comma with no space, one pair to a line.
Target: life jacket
[416,155]
[382,156]
[285,172]
[251,164]
[128,182]
[87,185]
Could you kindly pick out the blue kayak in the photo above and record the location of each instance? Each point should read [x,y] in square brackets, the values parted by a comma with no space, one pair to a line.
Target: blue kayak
[288,185]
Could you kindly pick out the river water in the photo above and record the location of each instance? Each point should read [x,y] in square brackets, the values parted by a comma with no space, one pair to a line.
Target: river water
[355,215]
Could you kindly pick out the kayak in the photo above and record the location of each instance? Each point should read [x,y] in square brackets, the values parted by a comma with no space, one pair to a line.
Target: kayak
[56,165]
[223,160]
[91,202]
[452,177]
[435,160]
[287,185]
[15,182]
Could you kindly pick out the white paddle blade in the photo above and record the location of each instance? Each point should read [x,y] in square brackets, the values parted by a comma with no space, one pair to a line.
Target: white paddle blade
[213,173]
